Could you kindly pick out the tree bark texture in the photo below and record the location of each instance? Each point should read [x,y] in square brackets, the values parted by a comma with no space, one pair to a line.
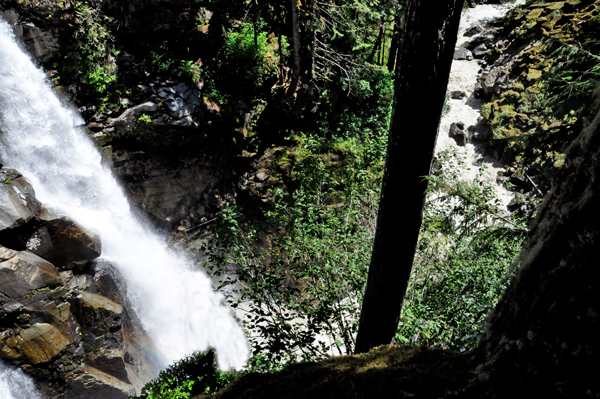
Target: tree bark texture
[395,43]
[296,38]
[376,45]
[422,71]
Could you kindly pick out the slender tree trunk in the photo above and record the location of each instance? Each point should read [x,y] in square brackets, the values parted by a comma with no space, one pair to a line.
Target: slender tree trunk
[279,47]
[382,50]
[376,47]
[422,71]
[255,24]
[296,38]
[313,46]
[395,43]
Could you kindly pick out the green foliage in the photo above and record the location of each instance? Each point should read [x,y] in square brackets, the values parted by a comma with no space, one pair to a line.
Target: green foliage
[250,59]
[145,118]
[466,246]
[195,375]
[299,275]
[97,66]
[164,63]
[363,114]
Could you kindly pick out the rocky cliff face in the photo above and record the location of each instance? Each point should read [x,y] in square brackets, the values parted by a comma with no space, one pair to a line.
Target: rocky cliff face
[175,173]
[544,335]
[62,314]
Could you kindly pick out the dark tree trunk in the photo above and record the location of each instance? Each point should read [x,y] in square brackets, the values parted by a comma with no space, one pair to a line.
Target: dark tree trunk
[255,23]
[279,49]
[422,71]
[395,43]
[382,45]
[376,46]
[296,38]
[313,41]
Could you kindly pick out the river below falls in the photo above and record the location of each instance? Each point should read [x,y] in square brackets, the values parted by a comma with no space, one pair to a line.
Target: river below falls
[463,77]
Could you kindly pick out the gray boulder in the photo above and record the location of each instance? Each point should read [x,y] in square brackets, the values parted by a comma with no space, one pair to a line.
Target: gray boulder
[480,51]
[487,39]
[64,243]
[458,95]
[17,200]
[187,121]
[495,81]
[457,132]
[480,132]
[127,121]
[474,30]
[23,272]
[463,53]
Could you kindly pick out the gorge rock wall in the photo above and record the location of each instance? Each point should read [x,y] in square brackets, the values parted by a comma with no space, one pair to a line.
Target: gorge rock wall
[544,336]
[63,318]
[175,175]
[168,143]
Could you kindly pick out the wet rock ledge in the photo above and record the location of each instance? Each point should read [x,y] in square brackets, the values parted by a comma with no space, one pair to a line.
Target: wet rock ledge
[62,314]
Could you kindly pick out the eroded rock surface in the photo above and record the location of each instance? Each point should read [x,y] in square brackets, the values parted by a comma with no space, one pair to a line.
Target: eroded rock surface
[17,200]
[24,272]
[544,335]
[62,314]
[64,243]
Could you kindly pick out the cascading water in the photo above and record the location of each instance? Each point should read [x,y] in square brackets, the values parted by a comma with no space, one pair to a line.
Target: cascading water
[40,138]
[14,384]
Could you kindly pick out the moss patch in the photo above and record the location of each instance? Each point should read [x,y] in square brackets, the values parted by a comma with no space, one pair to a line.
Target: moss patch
[557,67]
[385,372]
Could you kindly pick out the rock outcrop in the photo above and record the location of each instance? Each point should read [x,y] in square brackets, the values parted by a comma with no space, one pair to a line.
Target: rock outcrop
[64,243]
[62,313]
[545,334]
[41,43]
[17,200]
[165,138]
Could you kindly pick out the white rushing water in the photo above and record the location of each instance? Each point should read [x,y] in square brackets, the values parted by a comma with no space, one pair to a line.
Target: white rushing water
[41,139]
[463,77]
[14,384]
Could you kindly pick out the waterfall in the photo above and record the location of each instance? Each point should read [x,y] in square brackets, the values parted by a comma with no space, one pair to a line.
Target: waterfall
[41,138]
[14,384]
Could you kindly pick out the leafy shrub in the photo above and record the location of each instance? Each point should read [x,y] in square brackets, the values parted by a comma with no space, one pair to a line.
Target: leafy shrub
[356,109]
[299,275]
[299,280]
[467,243]
[195,375]
[97,65]
[164,63]
[245,61]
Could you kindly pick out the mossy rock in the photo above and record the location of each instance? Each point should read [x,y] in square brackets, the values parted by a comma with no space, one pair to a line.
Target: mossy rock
[386,372]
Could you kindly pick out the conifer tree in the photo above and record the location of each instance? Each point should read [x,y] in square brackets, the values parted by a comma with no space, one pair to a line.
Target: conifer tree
[422,71]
